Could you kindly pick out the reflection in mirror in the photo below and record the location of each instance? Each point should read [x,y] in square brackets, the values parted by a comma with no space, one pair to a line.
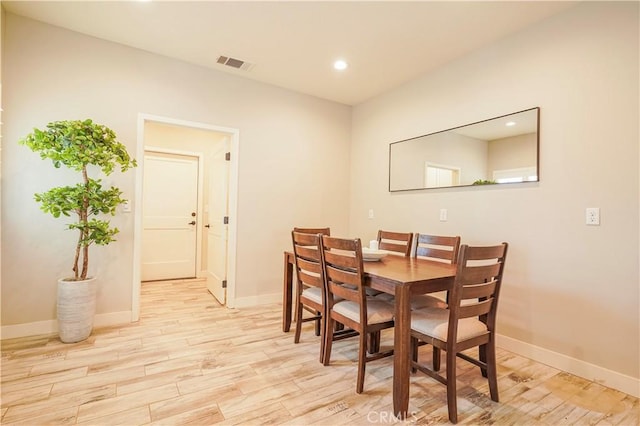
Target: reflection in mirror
[499,150]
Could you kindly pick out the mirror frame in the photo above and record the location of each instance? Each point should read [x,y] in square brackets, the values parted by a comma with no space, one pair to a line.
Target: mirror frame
[537,109]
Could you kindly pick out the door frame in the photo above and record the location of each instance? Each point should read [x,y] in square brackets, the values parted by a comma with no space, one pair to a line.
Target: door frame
[200,204]
[232,208]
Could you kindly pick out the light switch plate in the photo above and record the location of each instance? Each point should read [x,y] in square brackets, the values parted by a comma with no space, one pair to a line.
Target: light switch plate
[443,215]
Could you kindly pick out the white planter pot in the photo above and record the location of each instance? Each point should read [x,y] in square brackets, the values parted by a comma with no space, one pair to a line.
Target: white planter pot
[76,309]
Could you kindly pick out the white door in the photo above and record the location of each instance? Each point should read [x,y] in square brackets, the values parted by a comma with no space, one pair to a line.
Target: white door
[216,226]
[170,203]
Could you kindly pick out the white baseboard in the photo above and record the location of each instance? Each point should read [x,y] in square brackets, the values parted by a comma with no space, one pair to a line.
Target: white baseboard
[29,329]
[245,302]
[606,377]
[51,326]
[112,318]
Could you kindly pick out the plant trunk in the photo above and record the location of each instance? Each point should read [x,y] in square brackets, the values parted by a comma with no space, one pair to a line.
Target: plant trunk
[77,257]
[84,218]
[85,262]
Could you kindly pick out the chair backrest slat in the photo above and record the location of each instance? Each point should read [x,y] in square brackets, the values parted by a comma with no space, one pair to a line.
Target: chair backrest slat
[323,231]
[485,252]
[308,253]
[342,276]
[476,291]
[398,248]
[479,274]
[340,260]
[475,309]
[347,293]
[310,280]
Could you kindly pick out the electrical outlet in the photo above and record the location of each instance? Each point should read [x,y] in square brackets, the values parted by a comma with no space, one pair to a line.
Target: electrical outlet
[370,213]
[443,215]
[126,207]
[593,216]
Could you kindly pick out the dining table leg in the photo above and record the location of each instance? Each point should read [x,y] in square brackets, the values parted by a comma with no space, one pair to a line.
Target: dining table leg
[402,343]
[287,292]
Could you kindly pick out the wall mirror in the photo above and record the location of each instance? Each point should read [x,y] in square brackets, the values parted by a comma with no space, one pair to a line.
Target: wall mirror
[495,151]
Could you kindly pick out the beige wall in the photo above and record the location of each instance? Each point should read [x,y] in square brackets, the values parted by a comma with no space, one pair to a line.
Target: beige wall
[512,153]
[52,74]
[570,290]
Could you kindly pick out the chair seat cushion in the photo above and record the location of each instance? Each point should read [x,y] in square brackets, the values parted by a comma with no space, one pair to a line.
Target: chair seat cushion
[421,301]
[313,293]
[368,290]
[434,322]
[377,310]
[386,297]
[371,292]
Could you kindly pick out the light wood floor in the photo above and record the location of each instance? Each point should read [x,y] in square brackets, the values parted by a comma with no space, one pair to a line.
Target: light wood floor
[190,361]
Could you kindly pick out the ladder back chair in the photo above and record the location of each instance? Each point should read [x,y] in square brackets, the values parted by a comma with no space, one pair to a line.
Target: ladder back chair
[468,322]
[397,242]
[439,249]
[323,231]
[310,289]
[394,242]
[348,303]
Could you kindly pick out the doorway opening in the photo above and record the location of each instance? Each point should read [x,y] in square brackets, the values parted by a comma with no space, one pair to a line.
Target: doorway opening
[185,205]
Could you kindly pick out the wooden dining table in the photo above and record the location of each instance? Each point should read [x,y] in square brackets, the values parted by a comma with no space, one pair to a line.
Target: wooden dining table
[402,277]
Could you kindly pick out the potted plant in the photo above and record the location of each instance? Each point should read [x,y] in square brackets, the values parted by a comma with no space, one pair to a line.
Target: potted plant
[78,144]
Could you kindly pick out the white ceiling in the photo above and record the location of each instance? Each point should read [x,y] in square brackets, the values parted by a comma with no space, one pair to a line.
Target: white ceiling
[293,44]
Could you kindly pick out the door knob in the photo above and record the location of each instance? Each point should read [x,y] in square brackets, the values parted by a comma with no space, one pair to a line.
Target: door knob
[193,222]
[207,226]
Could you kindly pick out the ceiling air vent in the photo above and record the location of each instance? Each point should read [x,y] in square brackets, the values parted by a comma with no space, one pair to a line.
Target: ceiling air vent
[234,63]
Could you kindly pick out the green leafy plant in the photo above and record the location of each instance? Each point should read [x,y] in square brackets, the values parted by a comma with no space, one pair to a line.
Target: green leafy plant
[484,182]
[76,145]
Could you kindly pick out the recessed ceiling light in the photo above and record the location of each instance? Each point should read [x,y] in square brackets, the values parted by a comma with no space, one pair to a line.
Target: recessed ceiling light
[340,65]
[510,123]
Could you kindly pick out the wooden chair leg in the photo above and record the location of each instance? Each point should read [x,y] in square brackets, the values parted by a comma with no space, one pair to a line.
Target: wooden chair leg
[414,353]
[436,358]
[362,353]
[317,323]
[492,374]
[482,356]
[322,334]
[452,402]
[296,338]
[373,342]
[328,340]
